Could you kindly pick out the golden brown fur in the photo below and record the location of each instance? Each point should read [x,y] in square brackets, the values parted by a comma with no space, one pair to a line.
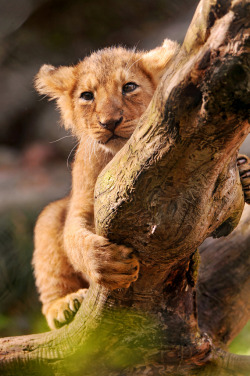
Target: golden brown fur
[68,254]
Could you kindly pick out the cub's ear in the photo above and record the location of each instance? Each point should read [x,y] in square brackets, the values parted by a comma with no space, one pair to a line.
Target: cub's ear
[54,82]
[156,60]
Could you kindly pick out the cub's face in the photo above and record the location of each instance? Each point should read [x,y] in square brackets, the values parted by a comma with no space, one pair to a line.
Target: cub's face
[112,92]
[104,95]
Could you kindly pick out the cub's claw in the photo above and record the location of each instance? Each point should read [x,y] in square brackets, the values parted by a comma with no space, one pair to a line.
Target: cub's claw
[243,163]
[111,265]
[63,310]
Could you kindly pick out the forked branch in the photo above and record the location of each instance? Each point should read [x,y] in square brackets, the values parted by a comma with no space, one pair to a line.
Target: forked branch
[173,184]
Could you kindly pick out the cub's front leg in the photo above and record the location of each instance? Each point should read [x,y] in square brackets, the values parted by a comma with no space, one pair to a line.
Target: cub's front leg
[61,283]
[111,265]
[88,255]
[92,257]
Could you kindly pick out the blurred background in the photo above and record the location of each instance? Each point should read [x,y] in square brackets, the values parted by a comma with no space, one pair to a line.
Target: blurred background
[35,151]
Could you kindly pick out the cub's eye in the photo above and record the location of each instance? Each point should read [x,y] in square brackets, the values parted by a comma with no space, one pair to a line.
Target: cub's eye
[129,87]
[87,96]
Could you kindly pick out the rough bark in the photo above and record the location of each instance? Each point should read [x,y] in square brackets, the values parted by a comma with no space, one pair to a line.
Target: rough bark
[173,184]
[224,283]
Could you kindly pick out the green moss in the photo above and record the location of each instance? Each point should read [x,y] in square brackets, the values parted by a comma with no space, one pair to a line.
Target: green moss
[107,180]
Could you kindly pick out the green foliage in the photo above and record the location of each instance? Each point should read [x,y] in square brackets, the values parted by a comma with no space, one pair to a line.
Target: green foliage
[123,339]
[241,344]
[20,311]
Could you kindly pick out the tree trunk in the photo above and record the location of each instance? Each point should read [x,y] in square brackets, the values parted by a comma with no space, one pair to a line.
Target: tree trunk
[224,283]
[174,184]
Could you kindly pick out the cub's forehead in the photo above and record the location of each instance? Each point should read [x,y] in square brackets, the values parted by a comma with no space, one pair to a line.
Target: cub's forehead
[108,64]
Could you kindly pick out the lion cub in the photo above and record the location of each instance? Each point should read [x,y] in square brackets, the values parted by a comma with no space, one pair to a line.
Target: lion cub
[100,100]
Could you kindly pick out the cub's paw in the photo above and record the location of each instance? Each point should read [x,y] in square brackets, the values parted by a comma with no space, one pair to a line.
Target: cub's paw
[63,310]
[243,163]
[111,265]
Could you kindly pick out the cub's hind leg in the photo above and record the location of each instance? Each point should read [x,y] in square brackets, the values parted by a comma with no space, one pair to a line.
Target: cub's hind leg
[243,163]
[62,310]
[61,289]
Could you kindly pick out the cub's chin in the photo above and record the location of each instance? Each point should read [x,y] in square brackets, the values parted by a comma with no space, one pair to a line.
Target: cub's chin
[114,145]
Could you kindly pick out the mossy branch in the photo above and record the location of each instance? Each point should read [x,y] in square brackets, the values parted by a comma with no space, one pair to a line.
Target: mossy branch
[173,184]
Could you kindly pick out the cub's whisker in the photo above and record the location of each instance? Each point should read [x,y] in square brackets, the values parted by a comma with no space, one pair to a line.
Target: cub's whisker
[133,63]
[71,151]
[61,138]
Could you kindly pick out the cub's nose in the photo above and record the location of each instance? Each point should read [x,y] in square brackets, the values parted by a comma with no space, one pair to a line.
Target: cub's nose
[110,124]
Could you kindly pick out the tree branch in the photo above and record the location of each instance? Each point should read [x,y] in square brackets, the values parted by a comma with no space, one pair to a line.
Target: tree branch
[223,285]
[173,184]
